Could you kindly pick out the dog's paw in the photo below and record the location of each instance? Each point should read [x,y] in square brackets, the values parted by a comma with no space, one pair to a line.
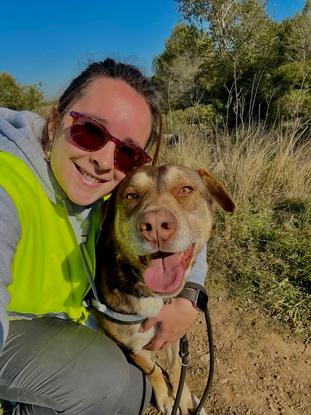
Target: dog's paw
[196,402]
[166,405]
[189,404]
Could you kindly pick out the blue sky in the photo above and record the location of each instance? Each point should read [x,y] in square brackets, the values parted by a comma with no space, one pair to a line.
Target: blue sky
[51,41]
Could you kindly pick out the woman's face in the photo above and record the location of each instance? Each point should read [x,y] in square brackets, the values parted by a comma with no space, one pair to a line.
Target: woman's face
[87,176]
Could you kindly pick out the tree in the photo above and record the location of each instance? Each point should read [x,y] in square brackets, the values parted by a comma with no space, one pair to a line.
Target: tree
[231,59]
[292,77]
[176,68]
[297,36]
[244,41]
[19,97]
[240,30]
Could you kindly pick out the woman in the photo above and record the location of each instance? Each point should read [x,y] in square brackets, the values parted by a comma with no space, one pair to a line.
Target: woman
[53,176]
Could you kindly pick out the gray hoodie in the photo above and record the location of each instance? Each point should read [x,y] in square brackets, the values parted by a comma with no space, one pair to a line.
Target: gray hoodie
[20,135]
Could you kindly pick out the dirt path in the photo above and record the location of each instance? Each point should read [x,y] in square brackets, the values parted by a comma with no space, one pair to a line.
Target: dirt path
[259,370]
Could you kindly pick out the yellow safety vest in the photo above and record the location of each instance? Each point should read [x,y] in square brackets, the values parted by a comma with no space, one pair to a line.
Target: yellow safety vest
[48,271]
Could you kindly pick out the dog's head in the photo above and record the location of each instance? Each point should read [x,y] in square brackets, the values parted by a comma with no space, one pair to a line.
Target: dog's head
[163,216]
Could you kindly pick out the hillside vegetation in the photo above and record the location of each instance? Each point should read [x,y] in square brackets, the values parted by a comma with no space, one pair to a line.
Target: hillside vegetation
[230,62]
[262,253]
[236,87]
[19,97]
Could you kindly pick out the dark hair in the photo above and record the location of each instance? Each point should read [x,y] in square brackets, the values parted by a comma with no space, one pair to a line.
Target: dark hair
[109,68]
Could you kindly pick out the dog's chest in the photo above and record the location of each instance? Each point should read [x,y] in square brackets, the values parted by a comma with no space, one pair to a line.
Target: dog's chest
[138,340]
[146,306]
[129,335]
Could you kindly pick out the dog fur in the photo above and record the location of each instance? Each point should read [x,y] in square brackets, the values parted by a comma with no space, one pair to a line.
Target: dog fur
[156,213]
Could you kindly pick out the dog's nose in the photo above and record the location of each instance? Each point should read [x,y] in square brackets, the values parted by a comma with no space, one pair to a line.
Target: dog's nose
[157,226]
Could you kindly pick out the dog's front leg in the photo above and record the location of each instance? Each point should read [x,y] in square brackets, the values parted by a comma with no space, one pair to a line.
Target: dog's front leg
[188,401]
[144,360]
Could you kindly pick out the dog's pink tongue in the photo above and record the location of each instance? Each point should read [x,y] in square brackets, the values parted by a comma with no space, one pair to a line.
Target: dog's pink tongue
[164,275]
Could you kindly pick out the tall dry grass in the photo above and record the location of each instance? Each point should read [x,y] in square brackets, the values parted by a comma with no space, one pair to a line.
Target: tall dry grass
[274,164]
[262,253]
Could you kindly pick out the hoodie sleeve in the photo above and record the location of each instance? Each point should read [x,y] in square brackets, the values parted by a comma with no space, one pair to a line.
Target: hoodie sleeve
[200,268]
[10,232]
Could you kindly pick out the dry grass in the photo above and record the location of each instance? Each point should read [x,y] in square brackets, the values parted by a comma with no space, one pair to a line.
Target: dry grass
[273,164]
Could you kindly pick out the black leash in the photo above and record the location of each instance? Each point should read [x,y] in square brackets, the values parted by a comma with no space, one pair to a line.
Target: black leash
[185,359]
[211,361]
[184,355]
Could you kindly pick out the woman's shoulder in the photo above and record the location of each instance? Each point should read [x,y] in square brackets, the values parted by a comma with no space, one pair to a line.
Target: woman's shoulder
[9,219]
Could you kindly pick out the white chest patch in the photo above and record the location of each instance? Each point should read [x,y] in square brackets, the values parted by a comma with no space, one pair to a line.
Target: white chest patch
[147,306]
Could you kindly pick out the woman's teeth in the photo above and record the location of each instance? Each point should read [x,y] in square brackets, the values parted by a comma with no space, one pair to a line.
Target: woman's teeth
[88,177]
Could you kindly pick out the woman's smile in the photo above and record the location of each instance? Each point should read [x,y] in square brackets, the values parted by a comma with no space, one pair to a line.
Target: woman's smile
[89,178]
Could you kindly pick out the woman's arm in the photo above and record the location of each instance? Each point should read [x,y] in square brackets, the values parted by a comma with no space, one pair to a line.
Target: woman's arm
[10,232]
[200,268]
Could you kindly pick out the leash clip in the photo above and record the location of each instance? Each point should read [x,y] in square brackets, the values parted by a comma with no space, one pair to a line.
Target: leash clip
[184,351]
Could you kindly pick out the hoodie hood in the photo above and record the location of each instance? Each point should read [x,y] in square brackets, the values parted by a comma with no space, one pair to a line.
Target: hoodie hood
[20,135]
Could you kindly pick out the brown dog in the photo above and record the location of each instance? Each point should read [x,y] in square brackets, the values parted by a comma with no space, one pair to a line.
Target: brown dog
[157,222]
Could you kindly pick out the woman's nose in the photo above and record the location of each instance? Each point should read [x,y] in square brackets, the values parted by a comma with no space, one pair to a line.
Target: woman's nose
[103,159]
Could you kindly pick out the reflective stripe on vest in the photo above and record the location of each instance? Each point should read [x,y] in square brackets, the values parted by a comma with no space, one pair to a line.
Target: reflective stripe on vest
[48,271]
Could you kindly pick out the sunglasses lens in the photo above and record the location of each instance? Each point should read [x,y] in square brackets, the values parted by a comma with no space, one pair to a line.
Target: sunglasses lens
[128,158]
[88,136]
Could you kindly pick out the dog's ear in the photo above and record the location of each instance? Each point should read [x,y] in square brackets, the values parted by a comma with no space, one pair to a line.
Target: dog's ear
[217,190]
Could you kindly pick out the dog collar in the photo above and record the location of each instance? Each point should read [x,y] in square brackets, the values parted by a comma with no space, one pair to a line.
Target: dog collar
[106,312]
[115,316]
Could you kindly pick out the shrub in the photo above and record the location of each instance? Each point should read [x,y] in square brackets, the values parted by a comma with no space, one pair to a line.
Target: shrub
[198,114]
[294,82]
[19,97]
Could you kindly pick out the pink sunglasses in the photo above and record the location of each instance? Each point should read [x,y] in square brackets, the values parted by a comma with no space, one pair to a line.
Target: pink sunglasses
[89,135]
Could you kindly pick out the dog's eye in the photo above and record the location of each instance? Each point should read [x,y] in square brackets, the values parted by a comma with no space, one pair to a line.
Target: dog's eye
[132,196]
[185,190]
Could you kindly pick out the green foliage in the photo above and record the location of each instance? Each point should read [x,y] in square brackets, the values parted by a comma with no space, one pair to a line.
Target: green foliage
[297,36]
[19,97]
[6,408]
[234,57]
[271,261]
[295,102]
[184,40]
[293,81]
[295,75]
[199,114]
[240,30]
[176,68]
